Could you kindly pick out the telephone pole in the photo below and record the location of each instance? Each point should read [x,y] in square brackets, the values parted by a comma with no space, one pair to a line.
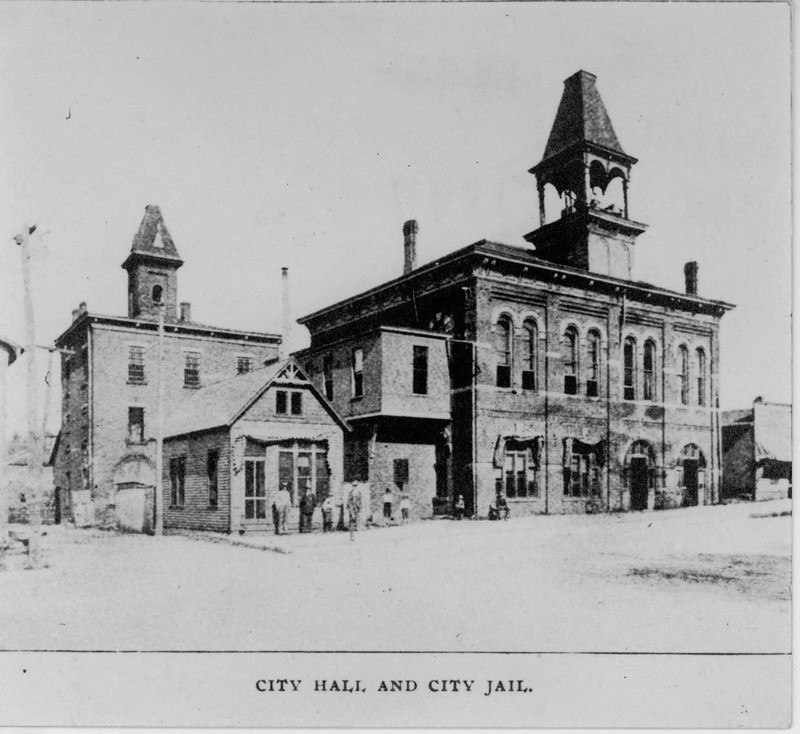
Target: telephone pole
[158,500]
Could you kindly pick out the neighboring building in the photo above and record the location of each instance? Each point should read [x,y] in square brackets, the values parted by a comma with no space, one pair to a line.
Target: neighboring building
[18,483]
[109,380]
[550,375]
[757,451]
[231,445]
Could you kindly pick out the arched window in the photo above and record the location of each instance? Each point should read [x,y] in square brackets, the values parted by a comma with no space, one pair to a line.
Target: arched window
[571,360]
[593,363]
[683,374]
[629,359]
[530,354]
[503,331]
[157,292]
[649,364]
[701,376]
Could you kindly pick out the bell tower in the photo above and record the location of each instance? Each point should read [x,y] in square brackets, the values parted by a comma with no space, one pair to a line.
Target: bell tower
[152,269]
[585,166]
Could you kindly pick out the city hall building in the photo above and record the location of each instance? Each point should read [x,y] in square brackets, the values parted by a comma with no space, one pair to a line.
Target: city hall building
[545,372]
[104,459]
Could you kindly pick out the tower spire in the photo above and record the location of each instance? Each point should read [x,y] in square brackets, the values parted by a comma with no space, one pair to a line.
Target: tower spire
[586,165]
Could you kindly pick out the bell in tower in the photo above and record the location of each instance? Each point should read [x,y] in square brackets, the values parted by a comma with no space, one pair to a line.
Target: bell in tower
[585,167]
[152,269]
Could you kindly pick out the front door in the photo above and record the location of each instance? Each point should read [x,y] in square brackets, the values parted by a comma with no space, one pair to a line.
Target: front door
[690,483]
[638,479]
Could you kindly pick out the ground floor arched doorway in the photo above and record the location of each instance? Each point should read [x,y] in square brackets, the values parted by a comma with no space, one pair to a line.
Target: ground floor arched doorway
[640,472]
[692,474]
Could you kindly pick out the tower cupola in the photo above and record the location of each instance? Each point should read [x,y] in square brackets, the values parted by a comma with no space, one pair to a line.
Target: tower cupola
[152,267]
[588,174]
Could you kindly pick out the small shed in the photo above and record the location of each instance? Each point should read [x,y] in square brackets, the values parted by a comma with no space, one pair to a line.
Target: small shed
[229,447]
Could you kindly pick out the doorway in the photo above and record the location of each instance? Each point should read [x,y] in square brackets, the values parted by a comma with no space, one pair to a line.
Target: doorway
[690,483]
[639,481]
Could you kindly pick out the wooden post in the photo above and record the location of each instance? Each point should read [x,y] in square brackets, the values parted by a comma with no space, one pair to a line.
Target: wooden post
[158,499]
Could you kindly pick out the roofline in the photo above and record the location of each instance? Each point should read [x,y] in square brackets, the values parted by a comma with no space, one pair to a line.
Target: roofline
[578,147]
[173,327]
[483,247]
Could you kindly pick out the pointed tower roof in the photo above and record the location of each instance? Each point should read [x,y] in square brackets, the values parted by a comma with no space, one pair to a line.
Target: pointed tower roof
[581,118]
[153,240]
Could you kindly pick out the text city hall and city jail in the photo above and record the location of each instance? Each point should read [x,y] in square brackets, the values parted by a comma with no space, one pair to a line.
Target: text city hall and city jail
[495,381]
[436,685]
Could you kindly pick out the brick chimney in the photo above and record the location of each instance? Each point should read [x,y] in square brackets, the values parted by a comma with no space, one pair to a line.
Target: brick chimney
[410,229]
[690,272]
[75,314]
[186,311]
[286,325]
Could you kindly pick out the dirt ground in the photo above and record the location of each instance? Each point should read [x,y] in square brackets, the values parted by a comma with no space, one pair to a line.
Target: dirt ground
[708,579]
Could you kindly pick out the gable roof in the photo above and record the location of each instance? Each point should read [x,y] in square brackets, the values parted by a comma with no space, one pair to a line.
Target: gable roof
[581,118]
[222,403]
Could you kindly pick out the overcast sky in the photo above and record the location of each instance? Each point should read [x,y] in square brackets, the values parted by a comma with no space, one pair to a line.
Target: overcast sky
[303,135]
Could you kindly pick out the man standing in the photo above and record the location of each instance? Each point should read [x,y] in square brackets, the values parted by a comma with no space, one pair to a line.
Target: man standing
[327,514]
[283,502]
[353,509]
[306,512]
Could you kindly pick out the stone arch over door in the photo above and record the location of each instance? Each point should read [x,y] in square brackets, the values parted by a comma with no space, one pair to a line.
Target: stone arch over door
[639,475]
[134,478]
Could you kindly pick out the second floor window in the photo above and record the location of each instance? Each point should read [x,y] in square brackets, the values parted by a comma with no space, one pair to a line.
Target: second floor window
[136,425]
[297,403]
[629,360]
[649,371]
[243,365]
[593,353]
[191,370]
[571,361]
[683,375]
[136,364]
[358,372]
[530,346]
[420,370]
[327,376]
[701,377]
[280,402]
[502,345]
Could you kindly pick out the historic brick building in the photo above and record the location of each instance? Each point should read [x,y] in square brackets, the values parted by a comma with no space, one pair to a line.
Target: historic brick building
[546,372]
[109,386]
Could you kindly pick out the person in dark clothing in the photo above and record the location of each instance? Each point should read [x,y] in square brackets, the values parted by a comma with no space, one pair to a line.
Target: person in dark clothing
[276,518]
[306,512]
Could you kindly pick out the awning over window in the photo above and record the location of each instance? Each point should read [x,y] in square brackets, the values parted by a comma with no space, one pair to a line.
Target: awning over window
[576,446]
[534,443]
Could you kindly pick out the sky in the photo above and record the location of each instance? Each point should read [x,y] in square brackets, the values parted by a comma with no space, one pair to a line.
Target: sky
[304,135]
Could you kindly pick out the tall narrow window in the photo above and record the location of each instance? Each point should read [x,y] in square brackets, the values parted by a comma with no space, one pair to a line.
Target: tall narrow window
[701,377]
[327,375]
[571,361]
[297,403]
[136,425]
[136,364]
[191,370]
[593,353]
[629,359]
[358,372]
[420,369]
[683,374]
[503,329]
[280,402]
[243,365]
[177,481]
[157,293]
[212,466]
[530,355]
[649,363]
[520,476]
[255,491]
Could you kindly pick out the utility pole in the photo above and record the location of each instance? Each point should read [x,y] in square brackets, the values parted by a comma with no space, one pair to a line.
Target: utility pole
[36,456]
[159,493]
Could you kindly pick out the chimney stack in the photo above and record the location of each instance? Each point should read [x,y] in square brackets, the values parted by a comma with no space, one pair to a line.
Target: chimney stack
[286,326]
[690,272]
[82,307]
[75,314]
[410,229]
[186,311]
